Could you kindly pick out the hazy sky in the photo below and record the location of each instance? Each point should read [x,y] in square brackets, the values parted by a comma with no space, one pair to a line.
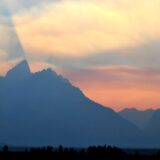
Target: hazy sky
[109,48]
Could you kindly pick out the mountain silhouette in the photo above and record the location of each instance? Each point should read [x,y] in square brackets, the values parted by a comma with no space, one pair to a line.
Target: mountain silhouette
[137,117]
[152,128]
[43,108]
[19,72]
[148,121]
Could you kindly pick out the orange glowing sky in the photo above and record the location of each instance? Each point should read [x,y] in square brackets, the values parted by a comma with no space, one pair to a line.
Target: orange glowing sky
[110,49]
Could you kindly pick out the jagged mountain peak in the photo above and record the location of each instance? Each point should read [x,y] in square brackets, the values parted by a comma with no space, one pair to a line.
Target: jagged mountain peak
[20,71]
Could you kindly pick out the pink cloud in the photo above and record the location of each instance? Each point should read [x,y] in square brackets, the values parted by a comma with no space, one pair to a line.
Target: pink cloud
[119,87]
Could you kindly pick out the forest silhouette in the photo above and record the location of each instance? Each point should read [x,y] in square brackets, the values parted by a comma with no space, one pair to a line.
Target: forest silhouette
[62,153]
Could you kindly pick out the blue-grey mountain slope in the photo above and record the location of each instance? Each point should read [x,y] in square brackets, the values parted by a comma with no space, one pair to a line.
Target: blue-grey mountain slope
[148,121]
[137,117]
[44,108]
[152,129]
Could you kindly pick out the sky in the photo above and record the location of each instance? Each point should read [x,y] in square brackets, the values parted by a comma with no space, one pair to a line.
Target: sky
[109,49]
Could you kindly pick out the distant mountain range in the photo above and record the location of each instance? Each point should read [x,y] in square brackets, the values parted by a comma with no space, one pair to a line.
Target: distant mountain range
[137,117]
[153,128]
[44,108]
[148,121]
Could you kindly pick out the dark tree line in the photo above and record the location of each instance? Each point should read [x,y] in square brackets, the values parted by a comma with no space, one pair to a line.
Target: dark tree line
[61,153]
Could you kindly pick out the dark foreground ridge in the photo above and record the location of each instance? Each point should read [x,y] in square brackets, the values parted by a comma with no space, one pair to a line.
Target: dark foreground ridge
[90,153]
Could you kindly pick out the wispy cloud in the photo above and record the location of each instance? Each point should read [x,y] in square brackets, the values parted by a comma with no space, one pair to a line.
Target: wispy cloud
[79,28]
